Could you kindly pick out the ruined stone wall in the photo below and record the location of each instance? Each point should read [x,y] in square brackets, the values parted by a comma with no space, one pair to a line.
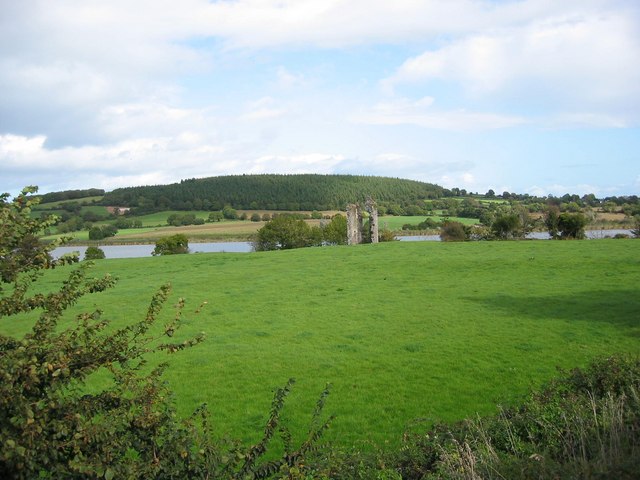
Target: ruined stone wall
[354,224]
[372,209]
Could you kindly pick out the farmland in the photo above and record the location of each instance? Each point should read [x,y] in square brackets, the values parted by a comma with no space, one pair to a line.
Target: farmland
[430,331]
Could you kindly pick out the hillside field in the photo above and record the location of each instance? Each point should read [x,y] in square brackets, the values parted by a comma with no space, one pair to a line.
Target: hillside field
[406,333]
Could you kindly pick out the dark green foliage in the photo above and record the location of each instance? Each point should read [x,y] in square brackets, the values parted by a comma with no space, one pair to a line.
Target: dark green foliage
[172,245]
[98,232]
[427,224]
[506,226]
[454,232]
[124,222]
[285,232]
[551,221]
[215,217]
[255,217]
[72,223]
[335,232]
[229,213]
[273,192]
[94,253]
[571,225]
[178,220]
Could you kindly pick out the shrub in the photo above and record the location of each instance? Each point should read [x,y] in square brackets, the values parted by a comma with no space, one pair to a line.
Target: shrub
[172,245]
[94,253]
[285,232]
[101,232]
[453,232]
[53,425]
[335,232]
[571,225]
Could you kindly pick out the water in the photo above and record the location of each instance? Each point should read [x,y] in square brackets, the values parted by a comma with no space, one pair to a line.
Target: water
[137,251]
[590,234]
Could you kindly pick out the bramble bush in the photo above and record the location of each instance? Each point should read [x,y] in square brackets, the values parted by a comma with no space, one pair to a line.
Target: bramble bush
[53,424]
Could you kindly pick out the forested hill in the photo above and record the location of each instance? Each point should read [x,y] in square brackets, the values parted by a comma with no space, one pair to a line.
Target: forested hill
[272,192]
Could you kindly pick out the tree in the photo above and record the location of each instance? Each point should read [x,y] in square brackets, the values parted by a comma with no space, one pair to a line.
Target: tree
[551,221]
[229,213]
[99,232]
[506,226]
[335,232]
[255,217]
[490,193]
[282,233]
[215,217]
[94,253]
[172,245]
[571,225]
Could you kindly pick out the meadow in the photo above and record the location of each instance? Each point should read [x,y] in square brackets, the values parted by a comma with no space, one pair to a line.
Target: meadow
[406,333]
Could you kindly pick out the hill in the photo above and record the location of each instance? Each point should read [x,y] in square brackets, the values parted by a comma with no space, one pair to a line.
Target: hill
[272,192]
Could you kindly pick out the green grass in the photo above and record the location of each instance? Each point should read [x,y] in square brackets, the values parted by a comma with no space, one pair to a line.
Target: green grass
[403,331]
[81,201]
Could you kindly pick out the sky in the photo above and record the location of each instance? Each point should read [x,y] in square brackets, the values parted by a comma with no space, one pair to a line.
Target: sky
[528,96]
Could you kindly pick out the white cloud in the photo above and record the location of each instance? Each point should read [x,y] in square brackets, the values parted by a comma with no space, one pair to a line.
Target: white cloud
[571,60]
[322,163]
[406,112]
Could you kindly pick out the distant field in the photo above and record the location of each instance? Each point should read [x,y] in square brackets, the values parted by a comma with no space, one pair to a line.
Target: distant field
[396,223]
[81,201]
[403,331]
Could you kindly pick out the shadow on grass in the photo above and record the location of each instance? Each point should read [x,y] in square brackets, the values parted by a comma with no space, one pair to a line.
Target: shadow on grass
[619,308]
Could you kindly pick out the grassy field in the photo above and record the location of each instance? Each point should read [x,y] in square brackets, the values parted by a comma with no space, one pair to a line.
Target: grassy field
[403,331]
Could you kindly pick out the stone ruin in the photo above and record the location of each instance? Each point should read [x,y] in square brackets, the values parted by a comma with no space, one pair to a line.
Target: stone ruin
[355,224]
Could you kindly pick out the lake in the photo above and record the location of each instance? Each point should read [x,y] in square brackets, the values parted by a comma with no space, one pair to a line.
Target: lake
[137,251]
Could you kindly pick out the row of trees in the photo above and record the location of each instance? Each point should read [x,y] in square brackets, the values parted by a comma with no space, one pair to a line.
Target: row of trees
[510,226]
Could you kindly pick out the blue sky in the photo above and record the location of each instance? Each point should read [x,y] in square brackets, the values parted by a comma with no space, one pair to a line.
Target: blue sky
[529,96]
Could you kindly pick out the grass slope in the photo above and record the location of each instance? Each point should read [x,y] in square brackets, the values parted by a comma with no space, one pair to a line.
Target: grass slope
[402,330]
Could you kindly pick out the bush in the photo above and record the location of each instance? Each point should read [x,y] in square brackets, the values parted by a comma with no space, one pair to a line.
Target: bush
[506,226]
[172,245]
[335,232]
[571,225]
[101,232]
[53,425]
[285,232]
[454,232]
[94,253]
